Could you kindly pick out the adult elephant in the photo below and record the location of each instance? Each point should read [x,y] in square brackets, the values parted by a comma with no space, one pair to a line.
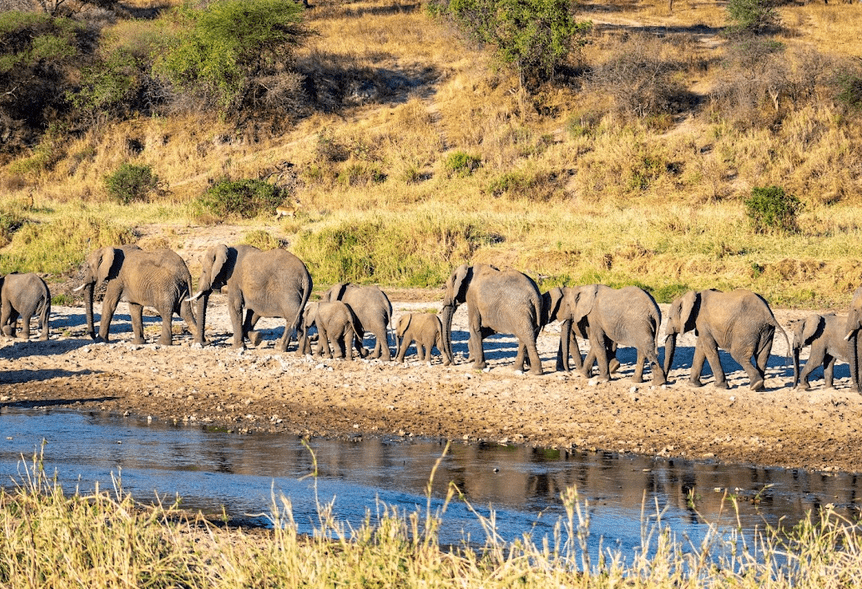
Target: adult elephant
[272,283]
[159,279]
[611,318]
[739,322]
[854,323]
[373,310]
[498,301]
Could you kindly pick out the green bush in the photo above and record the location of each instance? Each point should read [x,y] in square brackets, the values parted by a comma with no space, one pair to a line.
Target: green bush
[131,183]
[225,50]
[771,209]
[243,199]
[751,16]
[459,163]
[534,36]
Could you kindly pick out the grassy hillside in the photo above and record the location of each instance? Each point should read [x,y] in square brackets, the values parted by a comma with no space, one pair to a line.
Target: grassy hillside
[421,152]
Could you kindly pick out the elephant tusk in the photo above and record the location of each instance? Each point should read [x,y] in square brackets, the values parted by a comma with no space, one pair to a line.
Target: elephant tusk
[849,335]
[80,288]
[195,297]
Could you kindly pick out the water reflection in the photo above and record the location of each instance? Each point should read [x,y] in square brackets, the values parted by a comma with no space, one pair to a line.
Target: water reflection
[213,471]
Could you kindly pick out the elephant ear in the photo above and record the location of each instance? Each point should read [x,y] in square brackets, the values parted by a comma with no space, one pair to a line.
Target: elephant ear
[106,262]
[460,282]
[813,326]
[687,315]
[310,313]
[404,324]
[585,299]
[336,292]
[552,298]
[219,255]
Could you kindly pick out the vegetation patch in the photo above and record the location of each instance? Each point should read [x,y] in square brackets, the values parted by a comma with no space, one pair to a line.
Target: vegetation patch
[240,199]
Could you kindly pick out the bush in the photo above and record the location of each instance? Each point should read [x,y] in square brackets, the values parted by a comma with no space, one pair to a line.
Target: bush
[752,16]
[534,36]
[244,199]
[459,163]
[131,183]
[771,209]
[230,48]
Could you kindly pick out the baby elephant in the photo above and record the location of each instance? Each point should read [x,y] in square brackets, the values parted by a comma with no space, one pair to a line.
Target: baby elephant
[336,326]
[24,295]
[825,335]
[426,330]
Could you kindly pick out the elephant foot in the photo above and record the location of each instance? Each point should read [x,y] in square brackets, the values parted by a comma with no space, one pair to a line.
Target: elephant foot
[614,365]
[537,370]
[637,379]
[758,385]
[255,337]
[695,382]
[479,365]
[166,342]
[720,384]
[139,341]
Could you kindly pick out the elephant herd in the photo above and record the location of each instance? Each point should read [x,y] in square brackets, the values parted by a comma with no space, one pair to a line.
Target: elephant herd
[277,284]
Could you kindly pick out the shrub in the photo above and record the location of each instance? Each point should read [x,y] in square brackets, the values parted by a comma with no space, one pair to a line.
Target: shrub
[226,51]
[131,183]
[534,36]
[771,209]
[849,83]
[752,16]
[245,199]
[459,163]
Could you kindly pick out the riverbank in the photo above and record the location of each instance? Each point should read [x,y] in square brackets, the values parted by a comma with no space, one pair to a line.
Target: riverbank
[260,389]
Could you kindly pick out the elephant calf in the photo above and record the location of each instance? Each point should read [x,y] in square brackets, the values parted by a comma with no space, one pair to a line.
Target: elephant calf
[825,335]
[24,295]
[426,329]
[336,327]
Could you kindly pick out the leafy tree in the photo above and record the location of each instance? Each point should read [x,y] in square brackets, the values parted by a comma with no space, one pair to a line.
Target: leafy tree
[772,209]
[39,58]
[131,182]
[534,36]
[226,49]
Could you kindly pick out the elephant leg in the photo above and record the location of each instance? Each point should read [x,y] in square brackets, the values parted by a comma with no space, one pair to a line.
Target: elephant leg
[404,343]
[136,312]
[167,338]
[697,365]
[25,327]
[829,371]
[12,323]
[188,316]
[710,350]
[477,352]
[815,359]
[109,306]
[381,349]
[234,301]
[589,360]
[639,368]
[761,356]
[613,363]
[521,357]
[755,376]
[598,343]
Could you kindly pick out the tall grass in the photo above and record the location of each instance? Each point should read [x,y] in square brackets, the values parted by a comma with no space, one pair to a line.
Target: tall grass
[106,539]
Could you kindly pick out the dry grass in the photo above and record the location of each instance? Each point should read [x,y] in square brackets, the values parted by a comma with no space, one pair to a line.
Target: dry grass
[106,539]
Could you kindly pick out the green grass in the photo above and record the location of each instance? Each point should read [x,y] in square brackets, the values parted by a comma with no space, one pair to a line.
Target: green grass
[107,539]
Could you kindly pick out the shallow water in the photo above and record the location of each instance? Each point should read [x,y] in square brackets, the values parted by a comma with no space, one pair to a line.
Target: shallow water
[239,475]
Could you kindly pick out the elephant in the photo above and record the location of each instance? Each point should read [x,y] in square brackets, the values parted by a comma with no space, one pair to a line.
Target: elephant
[854,323]
[337,326]
[157,278]
[24,295]
[273,283]
[498,301]
[426,329]
[609,317]
[372,309]
[739,321]
[825,335]
[551,302]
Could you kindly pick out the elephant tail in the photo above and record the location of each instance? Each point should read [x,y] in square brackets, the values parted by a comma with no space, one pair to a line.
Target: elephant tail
[787,343]
[307,286]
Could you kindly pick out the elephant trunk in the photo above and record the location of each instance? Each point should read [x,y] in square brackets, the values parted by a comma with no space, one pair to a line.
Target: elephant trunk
[564,349]
[201,312]
[796,350]
[446,318]
[669,351]
[88,304]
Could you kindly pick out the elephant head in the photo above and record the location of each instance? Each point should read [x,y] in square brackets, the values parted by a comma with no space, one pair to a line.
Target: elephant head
[681,319]
[456,294]
[335,292]
[551,301]
[101,265]
[804,331]
[214,270]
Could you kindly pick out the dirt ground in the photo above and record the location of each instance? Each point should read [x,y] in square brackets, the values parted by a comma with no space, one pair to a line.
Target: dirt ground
[260,389]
